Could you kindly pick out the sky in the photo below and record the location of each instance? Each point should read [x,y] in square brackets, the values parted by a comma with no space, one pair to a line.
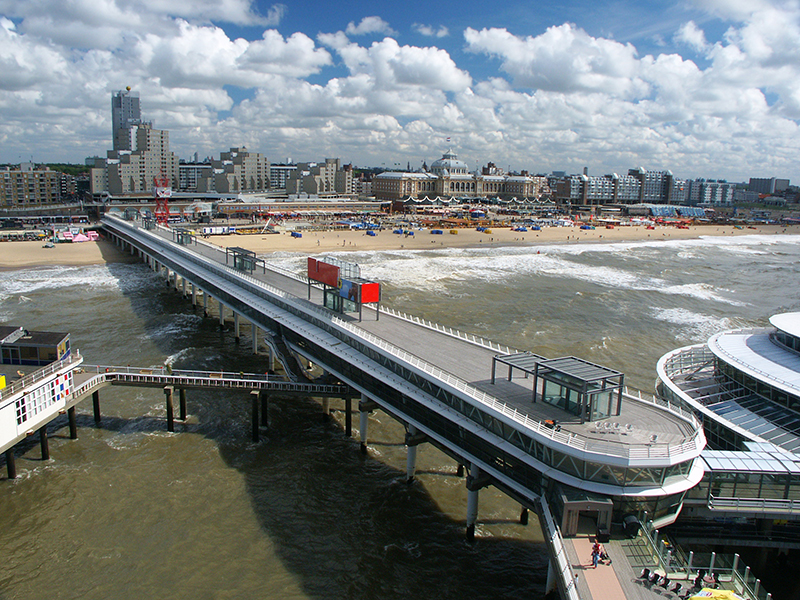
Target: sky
[704,88]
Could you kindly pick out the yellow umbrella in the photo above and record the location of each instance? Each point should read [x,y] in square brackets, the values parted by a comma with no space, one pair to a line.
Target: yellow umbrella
[710,594]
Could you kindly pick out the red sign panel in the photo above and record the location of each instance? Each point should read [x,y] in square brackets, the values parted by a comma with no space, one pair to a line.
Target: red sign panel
[323,272]
[370,292]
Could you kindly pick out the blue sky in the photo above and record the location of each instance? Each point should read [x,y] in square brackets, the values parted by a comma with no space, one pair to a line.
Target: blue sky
[705,88]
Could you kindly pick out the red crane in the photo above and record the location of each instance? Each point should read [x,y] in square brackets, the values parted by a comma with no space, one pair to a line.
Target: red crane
[162,190]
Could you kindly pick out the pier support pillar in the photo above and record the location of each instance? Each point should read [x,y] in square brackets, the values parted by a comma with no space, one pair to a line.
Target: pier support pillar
[205,304]
[236,327]
[221,314]
[348,416]
[182,403]
[73,425]
[254,331]
[411,454]
[11,464]
[264,397]
[194,296]
[44,443]
[96,406]
[183,284]
[460,470]
[365,406]
[254,406]
[523,516]
[326,410]
[472,500]
[170,409]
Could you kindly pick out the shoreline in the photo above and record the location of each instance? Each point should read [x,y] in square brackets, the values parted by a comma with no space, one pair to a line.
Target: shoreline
[21,255]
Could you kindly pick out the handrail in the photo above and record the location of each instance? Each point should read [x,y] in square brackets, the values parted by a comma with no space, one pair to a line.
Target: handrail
[562,562]
[39,374]
[753,504]
[304,309]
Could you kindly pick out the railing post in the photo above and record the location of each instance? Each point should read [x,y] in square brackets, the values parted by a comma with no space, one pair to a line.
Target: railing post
[711,565]
[735,563]
[691,559]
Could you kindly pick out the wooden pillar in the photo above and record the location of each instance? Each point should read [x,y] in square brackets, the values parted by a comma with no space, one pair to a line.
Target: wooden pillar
[11,464]
[96,406]
[326,409]
[170,410]
[254,405]
[182,396]
[264,395]
[73,425]
[348,416]
[43,443]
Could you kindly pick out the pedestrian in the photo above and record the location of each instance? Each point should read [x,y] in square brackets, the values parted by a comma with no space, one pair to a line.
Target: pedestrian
[595,555]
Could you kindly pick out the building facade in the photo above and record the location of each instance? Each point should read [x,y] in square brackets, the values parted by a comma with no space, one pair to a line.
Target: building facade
[321,179]
[237,170]
[29,186]
[135,170]
[450,177]
[125,115]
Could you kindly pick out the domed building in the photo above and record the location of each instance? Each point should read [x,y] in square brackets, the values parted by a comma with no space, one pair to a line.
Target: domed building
[450,180]
[449,165]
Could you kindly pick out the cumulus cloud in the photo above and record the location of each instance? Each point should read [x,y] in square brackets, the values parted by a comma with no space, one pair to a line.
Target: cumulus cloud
[564,59]
[369,26]
[691,35]
[430,31]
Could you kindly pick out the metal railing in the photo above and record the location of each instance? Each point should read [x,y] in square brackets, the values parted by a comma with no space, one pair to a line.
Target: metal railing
[752,505]
[730,571]
[563,565]
[39,374]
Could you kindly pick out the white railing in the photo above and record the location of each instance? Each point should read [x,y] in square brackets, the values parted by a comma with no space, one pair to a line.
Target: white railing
[468,337]
[39,374]
[655,451]
[764,505]
[562,566]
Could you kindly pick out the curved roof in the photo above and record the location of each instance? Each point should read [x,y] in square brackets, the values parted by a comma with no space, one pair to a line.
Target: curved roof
[787,322]
[450,162]
[752,352]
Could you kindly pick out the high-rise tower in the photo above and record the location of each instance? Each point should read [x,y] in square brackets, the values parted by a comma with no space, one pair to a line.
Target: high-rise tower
[125,113]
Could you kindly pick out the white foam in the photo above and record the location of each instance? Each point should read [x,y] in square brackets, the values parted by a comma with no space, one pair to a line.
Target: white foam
[27,282]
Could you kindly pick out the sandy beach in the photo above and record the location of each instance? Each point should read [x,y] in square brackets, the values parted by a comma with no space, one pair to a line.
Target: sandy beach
[329,241]
[18,255]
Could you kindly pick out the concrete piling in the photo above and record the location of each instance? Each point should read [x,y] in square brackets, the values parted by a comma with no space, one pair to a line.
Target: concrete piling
[170,409]
[73,426]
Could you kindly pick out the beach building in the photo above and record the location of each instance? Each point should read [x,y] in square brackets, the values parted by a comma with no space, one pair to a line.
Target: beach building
[18,346]
[450,177]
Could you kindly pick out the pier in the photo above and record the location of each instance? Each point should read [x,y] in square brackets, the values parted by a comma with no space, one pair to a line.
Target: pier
[551,434]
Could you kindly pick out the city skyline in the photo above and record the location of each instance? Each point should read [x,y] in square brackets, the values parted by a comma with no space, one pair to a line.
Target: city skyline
[704,89]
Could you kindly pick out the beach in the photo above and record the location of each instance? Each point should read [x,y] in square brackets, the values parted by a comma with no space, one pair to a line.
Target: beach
[18,255]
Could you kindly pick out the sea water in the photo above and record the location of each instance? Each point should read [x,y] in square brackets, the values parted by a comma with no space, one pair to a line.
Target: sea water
[131,511]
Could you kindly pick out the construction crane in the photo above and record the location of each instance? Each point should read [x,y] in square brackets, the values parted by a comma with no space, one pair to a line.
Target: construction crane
[162,191]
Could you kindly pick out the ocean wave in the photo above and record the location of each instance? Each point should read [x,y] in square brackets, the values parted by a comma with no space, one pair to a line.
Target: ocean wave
[27,282]
[179,325]
[695,325]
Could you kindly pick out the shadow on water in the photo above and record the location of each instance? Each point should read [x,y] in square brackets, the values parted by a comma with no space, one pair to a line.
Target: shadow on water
[343,524]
